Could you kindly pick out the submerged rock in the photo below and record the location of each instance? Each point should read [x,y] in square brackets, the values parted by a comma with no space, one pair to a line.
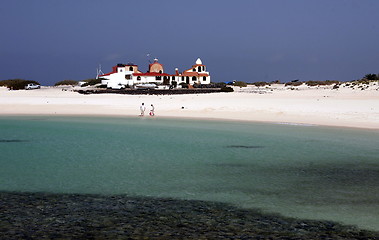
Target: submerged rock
[243,146]
[12,140]
[74,216]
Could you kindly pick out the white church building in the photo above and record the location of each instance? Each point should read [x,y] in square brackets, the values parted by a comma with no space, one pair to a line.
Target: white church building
[128,74]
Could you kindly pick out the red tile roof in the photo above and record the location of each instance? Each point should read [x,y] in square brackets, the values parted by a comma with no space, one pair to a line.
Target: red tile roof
[193,74]
[185,73]
[152,74]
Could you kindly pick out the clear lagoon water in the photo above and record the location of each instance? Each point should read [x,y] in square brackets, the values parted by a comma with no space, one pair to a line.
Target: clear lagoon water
[299,171]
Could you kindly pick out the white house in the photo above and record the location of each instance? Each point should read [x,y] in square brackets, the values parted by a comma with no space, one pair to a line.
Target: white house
[128,74]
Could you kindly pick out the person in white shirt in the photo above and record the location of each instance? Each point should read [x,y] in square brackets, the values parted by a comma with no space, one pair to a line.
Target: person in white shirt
[142,108]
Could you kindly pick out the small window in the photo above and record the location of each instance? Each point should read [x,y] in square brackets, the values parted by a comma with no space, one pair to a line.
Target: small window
[120,70]
[130,68]
[160,71]
[173,78]
[128,77]
[199,69]
[204,78]
[194,78]
[182,79]
[194,69]
[158,78]
[203,68]
[139,78]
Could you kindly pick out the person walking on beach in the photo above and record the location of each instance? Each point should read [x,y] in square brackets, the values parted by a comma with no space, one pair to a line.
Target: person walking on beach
[142,108]
[152,110]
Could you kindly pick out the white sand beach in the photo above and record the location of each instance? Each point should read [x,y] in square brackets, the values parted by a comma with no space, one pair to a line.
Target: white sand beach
[345,107]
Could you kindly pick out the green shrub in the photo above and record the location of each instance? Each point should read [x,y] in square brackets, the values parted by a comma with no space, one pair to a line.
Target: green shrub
[261,84]
[67,82]
[331,82]
[295,84]
[372,76]
[219,84]
[321,83]
[16,84]
[363,81]
[240,84]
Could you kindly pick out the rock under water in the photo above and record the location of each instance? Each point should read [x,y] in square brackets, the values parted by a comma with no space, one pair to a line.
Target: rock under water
[75,216]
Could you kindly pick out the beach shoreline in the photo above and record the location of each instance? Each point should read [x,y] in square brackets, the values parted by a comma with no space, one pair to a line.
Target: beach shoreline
[325,106]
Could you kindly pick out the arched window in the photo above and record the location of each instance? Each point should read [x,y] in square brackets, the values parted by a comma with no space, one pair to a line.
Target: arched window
[194,69]
[173,78]
[203,68]
[130,68]
[199,68]
[204,78]
[194,78]
[160,71]
[139,78]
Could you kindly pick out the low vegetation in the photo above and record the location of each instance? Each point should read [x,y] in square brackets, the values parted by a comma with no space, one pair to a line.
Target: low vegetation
[67,82]
[371,76]
[261,84]
[321,83]
[293,83]
[218,85]
[312,83]
[364,82]
[16,84]
[240,84]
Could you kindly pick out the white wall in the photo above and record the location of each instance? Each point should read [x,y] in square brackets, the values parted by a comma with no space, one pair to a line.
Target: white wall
[119,78]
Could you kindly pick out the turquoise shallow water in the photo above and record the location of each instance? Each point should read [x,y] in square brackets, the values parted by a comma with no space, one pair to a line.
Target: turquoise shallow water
[299,171]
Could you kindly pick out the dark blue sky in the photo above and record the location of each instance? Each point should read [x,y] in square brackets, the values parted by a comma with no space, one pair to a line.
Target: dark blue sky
[245,40]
